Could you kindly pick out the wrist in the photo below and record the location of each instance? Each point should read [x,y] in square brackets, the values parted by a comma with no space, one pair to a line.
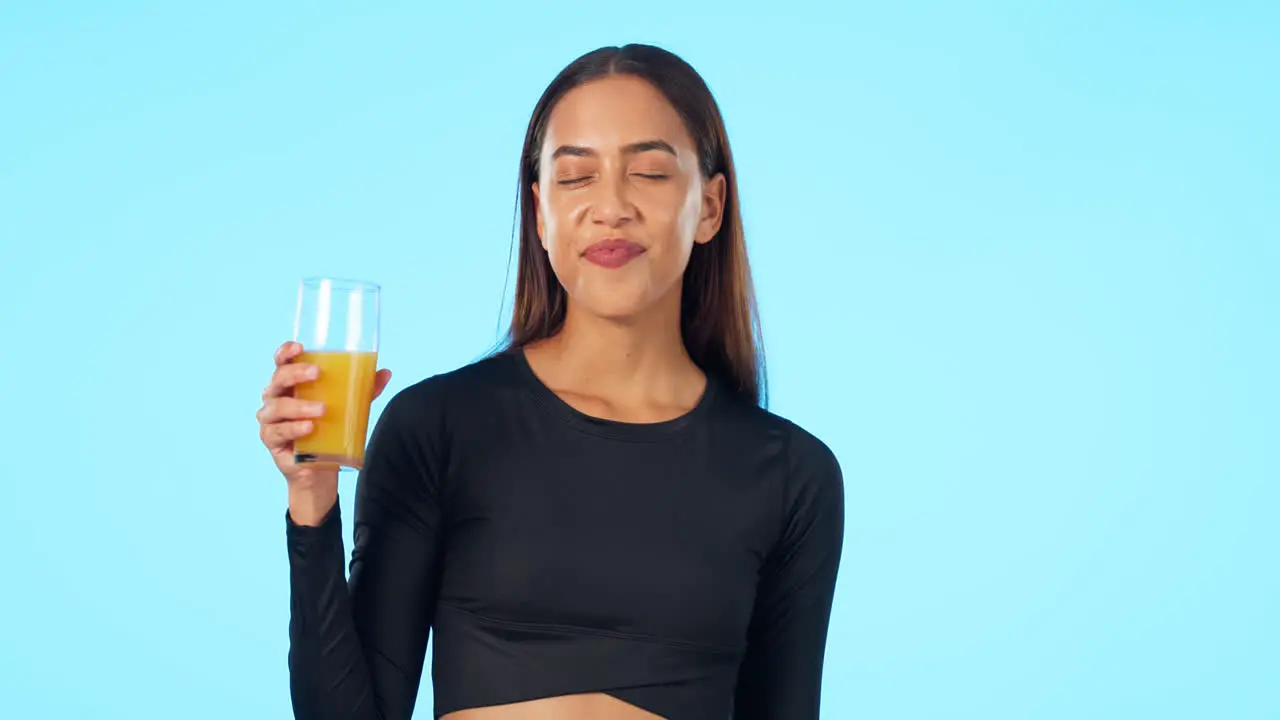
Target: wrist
[309,507]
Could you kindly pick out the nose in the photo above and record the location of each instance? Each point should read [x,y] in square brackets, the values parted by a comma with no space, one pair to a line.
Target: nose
[611,206]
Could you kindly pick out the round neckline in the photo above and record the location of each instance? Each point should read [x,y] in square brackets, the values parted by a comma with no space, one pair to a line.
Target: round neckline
[613,429]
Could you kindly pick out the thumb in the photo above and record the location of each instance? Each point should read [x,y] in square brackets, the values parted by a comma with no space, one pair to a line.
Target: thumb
[380,380]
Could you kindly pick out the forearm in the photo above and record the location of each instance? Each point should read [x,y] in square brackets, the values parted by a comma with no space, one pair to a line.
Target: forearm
[329,676]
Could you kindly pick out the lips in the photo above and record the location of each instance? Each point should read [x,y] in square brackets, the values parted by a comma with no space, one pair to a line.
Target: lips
[612,253]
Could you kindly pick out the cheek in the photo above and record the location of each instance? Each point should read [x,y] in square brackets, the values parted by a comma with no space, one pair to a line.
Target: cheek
[559,253]
[690,213]
[555,225]
[677,221]
[557,240]
[671,211]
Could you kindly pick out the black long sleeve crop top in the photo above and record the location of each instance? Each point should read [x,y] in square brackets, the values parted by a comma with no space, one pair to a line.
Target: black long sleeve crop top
[686,567]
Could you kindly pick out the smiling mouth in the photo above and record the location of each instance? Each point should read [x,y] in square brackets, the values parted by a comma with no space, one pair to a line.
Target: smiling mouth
[612,253]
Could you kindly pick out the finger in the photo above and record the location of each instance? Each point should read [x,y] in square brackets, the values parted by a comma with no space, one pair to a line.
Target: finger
[380,381]
[286,408]
[287,352]
[288,375]
[279,435]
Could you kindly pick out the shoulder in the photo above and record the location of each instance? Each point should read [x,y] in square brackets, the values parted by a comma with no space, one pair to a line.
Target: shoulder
[417,428]
[430,400]
[805,450]
[813,472]
[814,505]
[466,382]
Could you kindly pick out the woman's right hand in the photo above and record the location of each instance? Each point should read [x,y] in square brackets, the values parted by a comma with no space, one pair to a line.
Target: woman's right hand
[283,419]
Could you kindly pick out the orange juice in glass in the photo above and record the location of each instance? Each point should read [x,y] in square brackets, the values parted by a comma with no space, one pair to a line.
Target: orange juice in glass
[337,326]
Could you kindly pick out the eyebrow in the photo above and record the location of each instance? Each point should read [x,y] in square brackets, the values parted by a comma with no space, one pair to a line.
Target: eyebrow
[632,149]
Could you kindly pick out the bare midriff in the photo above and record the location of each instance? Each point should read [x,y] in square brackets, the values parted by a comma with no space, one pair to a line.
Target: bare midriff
[587,706]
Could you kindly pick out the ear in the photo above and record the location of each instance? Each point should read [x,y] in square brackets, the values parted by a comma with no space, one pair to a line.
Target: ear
[713,197]
[537,209]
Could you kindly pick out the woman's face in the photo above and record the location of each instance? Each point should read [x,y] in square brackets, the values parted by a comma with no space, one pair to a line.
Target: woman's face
[620,197]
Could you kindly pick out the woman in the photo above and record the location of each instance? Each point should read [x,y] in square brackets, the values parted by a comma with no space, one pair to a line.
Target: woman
[598,521]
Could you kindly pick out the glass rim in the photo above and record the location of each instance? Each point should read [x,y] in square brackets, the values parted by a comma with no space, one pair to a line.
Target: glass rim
[344,283]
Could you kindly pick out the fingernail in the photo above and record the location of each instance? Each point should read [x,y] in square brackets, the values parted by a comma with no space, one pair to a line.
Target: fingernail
[316,408]
[313,372]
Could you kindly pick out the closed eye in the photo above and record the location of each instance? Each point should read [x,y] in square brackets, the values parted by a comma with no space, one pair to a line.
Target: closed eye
[569,182]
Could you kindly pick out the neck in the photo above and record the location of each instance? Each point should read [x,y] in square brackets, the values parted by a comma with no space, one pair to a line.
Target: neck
[634,360]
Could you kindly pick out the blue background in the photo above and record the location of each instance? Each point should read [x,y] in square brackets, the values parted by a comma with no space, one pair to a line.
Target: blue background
[1018,266]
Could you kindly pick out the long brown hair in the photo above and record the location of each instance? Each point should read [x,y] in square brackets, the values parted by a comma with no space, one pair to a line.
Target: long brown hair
[718,317]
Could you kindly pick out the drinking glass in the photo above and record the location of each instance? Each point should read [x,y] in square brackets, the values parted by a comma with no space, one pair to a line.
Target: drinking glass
[337,326]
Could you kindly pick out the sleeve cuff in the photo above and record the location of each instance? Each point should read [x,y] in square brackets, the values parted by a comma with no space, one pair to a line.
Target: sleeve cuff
[314,546]
[334,517]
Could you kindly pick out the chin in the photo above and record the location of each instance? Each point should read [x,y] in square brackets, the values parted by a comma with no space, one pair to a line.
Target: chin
[615,309]
[616,302]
